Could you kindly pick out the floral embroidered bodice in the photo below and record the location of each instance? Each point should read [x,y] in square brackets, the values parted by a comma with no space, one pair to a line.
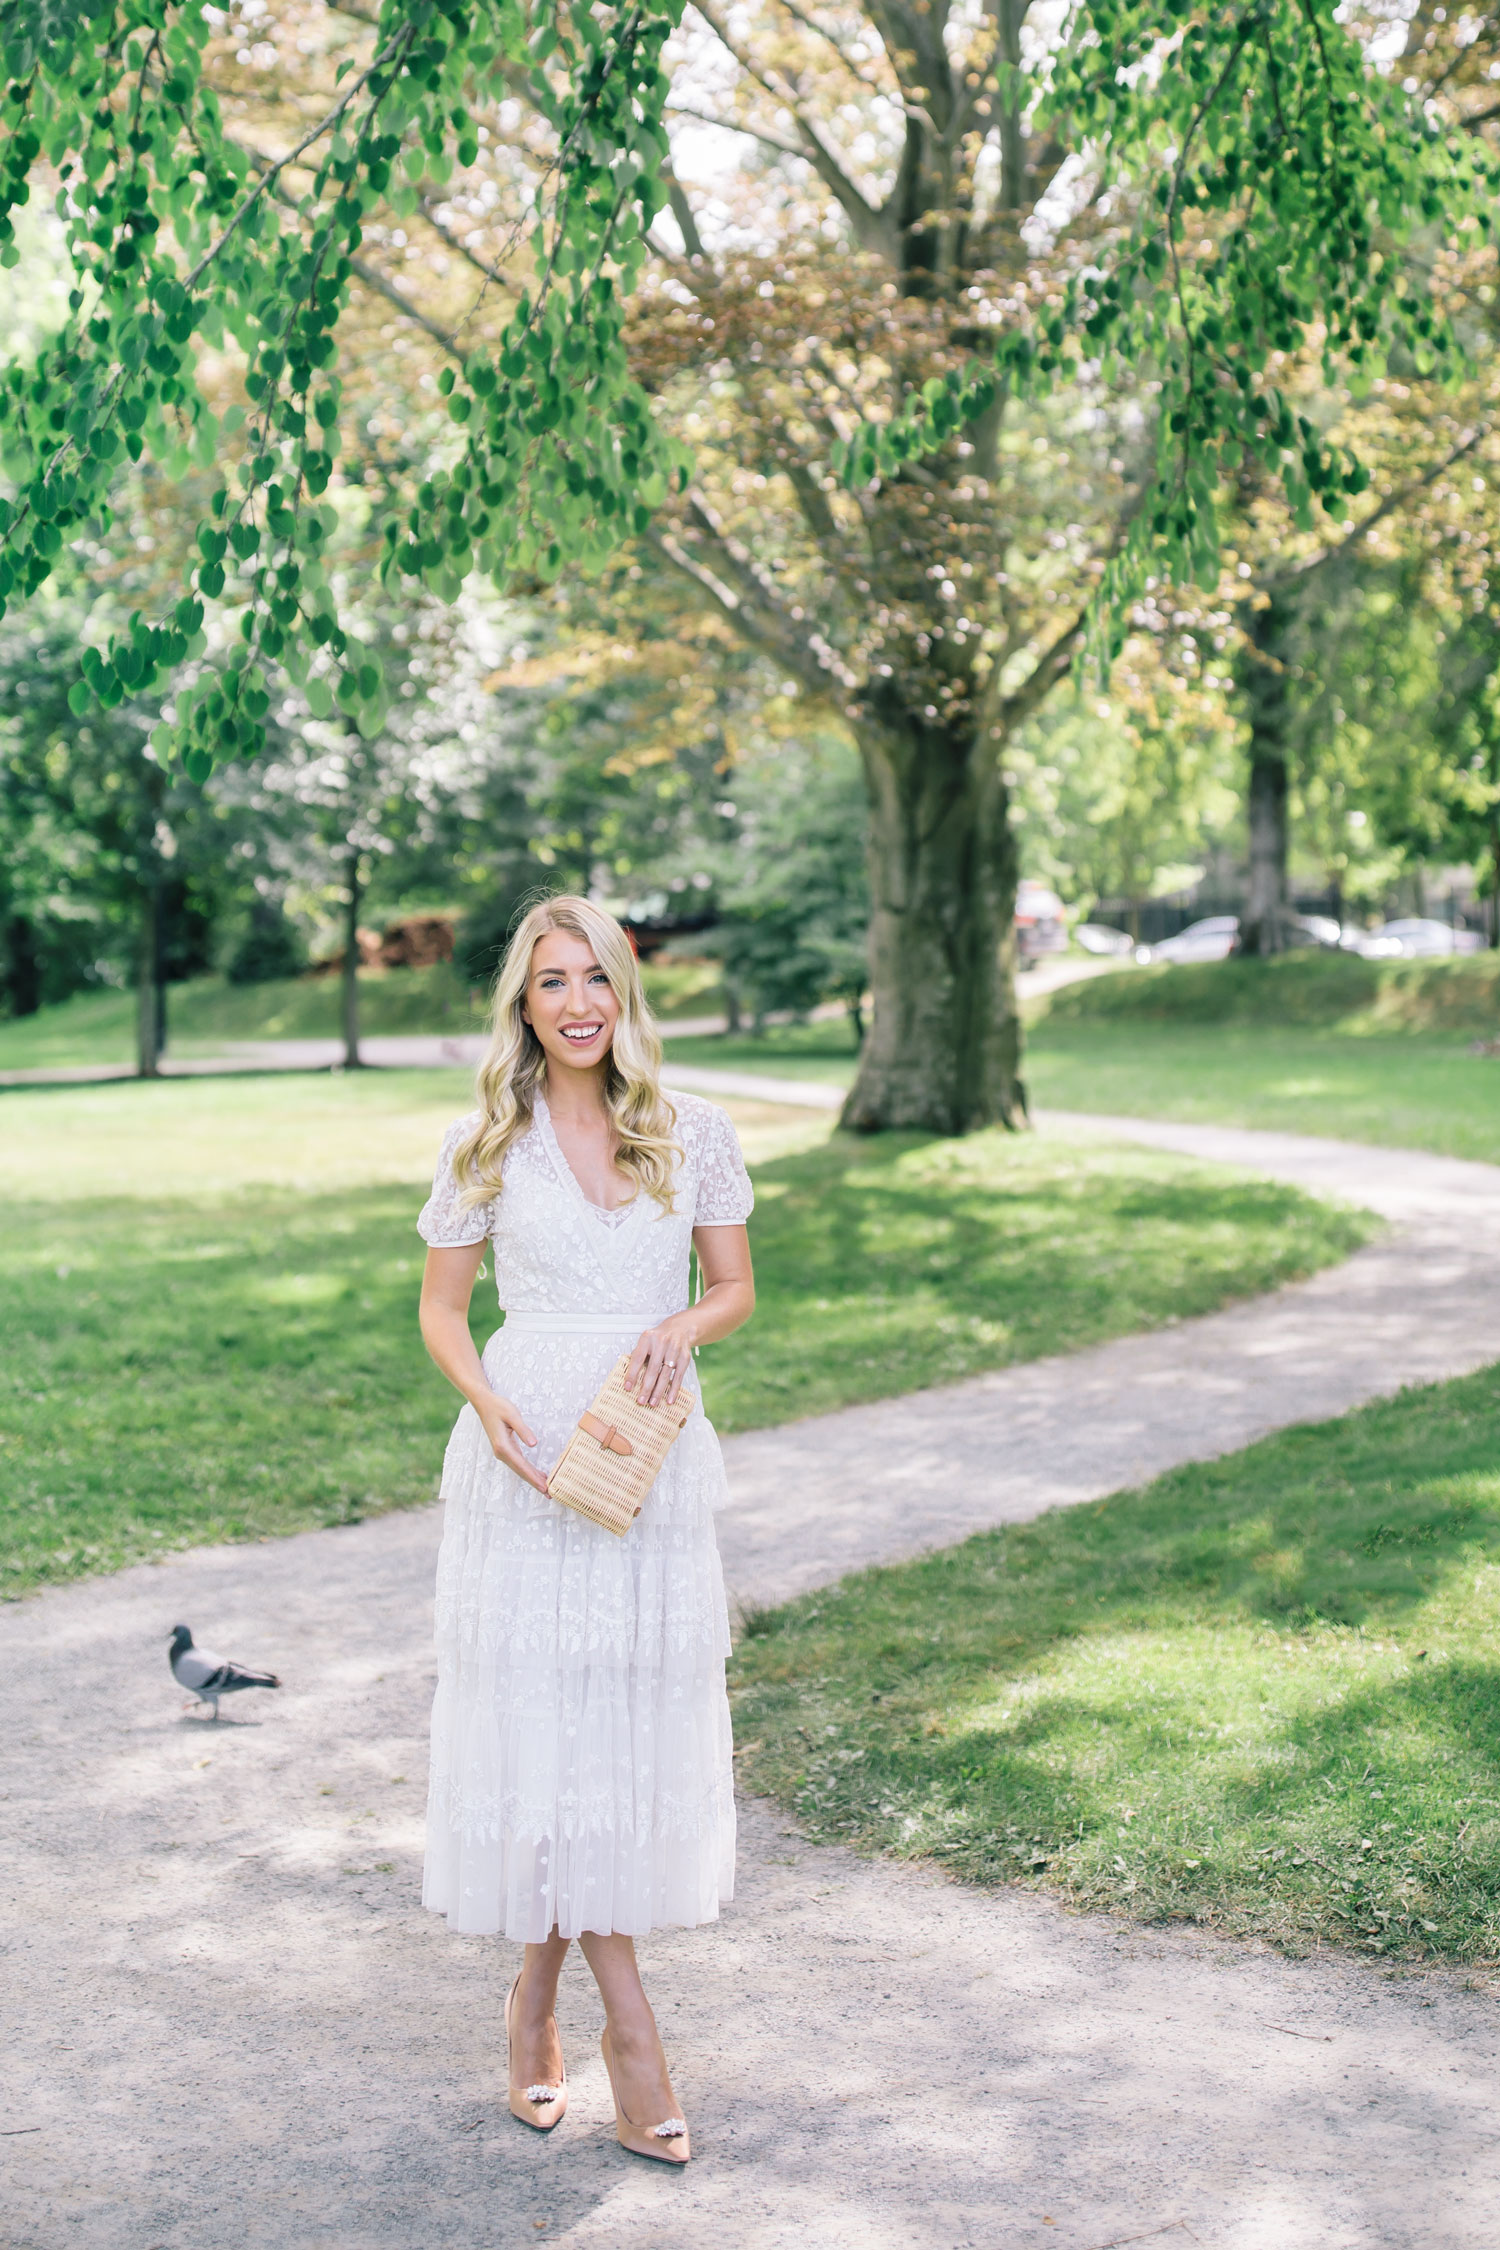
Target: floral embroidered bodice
[557,1252]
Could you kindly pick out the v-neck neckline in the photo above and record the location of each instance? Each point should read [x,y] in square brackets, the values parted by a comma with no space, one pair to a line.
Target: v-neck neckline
[610,1219]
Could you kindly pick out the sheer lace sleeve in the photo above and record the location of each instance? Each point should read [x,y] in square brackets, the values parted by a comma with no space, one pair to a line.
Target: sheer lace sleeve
[444,1223]
[725,1196]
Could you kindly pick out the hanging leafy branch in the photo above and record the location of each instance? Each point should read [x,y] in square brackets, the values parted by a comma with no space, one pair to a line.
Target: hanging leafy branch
[1266,185]
[1276,187]
[180,238]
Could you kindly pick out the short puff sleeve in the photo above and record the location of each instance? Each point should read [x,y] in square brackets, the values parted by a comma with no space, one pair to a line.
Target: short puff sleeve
[445,1222]
[725,1196]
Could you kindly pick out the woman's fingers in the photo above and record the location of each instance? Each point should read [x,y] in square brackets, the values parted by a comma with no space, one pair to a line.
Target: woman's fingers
[512,1456]
[663,1374]
[506,1442]
[637,1361]
[658,1368]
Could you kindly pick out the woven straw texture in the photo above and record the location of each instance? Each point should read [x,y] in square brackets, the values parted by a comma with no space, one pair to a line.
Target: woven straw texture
[606,1486]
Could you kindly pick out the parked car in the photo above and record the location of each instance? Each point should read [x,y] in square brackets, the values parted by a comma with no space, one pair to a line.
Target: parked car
[1097,937]
[1209,940]
[1317,929]
[1414,939]
[1041,921]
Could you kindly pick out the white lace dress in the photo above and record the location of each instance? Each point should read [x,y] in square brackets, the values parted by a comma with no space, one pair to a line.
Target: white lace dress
[581,1754]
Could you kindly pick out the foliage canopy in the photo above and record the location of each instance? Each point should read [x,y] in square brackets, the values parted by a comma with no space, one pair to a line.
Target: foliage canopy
[180,238]
[1267,182]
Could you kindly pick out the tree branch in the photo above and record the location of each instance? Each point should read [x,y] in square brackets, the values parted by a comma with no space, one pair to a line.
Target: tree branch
[737,561]
[749,621]
[682,212]
[870,226]
[809,24]
[373,279]
[813,501]
[751,132]
[454,242]
[1271,582]
[369,275]
[1011,710]
[274,167]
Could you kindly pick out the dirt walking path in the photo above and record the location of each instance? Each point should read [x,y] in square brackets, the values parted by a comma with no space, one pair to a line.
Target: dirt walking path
[229,2023]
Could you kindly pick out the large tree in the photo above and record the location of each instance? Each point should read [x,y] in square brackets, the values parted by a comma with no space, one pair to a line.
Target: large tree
[1132,215]
[916,195]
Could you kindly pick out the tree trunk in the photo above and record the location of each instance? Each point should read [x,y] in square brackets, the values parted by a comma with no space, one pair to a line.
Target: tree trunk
[1494,913]
[148,997]
[349,976]
[1266,683]
[23,966]
[943,1051]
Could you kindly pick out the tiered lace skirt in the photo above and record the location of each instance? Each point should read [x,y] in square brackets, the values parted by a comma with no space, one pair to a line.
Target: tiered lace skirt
[581,1754]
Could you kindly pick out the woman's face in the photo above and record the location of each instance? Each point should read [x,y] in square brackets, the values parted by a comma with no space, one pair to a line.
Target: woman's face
[570,1003]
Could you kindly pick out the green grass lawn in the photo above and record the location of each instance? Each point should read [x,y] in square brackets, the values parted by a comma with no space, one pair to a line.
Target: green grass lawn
[208,1291]
[206,1012]
[1332,991]
[1261,1694]
[1415,1092]
[790,1050]
[1327,1044]
[1312,1043]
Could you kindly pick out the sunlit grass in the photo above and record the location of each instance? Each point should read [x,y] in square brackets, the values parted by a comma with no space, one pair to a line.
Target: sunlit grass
[1396,1089]
[1412,1091]
[208,1291]
[205,1015]
[1261,1694]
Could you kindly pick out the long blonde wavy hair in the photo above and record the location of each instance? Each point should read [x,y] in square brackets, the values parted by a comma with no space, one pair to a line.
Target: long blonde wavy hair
[515,1064]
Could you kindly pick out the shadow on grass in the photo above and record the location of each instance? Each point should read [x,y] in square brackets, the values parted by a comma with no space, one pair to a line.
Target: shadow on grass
[1262,1692]
[889,1264]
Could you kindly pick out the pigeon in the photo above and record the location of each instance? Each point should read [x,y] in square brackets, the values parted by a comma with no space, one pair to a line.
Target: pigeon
[207,1675]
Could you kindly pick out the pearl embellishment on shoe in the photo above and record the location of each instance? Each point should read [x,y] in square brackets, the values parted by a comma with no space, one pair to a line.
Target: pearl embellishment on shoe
[543,2093]
[671,2130]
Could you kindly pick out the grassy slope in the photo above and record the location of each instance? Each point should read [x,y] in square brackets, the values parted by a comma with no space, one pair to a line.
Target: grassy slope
[1333,991]
[1262,1693]
[207,1305]
[1396,1093]
[791,1050]
[1363,1051]
[206,1012]
[1326,1044]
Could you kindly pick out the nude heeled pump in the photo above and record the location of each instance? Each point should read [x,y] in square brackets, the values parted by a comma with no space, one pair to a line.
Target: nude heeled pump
[667,2143]
[541,2107]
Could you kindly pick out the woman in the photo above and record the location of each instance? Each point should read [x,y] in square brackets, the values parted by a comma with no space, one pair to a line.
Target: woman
[581,1777]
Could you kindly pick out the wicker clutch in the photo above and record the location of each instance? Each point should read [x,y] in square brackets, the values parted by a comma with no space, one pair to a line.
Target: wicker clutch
[614,1456]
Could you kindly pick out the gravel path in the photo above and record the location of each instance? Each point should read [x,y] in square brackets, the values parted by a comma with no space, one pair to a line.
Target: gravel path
[230,2023]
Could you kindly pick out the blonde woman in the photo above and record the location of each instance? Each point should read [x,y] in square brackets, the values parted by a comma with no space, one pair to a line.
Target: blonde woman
[581,1780]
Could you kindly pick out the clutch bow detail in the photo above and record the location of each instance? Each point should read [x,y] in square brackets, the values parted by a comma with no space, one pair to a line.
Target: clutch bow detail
[615,1454]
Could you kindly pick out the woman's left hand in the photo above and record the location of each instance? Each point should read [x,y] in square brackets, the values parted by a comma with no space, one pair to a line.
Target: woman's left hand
[659,1364]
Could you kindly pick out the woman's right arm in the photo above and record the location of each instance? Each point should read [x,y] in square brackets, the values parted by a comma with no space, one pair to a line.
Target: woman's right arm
[447,1285]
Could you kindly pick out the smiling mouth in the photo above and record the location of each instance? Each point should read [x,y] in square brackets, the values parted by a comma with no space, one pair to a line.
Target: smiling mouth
[579,1034]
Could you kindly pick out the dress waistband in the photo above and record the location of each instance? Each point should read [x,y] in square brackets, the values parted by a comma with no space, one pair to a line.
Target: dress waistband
[582,1323]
